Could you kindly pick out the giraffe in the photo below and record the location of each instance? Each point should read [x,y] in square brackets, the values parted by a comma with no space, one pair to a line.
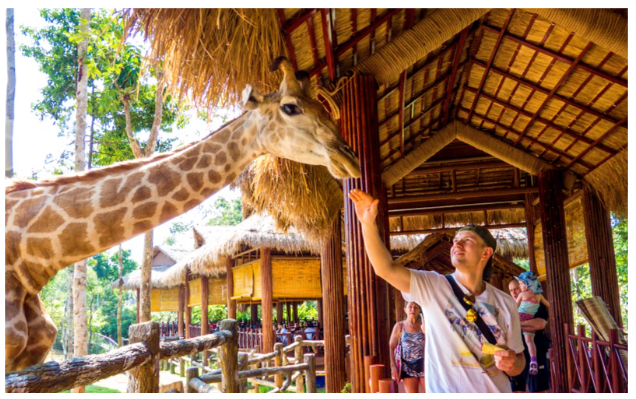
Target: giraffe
[51,224]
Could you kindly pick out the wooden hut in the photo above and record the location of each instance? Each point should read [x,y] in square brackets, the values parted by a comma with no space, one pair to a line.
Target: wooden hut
[494,114]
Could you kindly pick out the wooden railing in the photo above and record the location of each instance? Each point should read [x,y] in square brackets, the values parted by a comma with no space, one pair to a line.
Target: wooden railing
[595,365]
[142,357]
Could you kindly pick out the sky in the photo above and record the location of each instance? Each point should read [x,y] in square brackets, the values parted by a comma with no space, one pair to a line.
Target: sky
[34,139]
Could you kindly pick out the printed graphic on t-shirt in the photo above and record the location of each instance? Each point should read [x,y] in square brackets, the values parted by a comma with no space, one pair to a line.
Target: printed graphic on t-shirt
[469,354]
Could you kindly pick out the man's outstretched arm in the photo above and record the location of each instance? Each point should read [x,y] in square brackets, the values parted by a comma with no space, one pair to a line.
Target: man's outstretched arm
[367,210]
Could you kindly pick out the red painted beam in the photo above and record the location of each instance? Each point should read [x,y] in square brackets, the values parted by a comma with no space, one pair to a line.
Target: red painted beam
[288,42]
[553,91]
[492,57]
[326,35]
[292,24]
[451,81]
[559,57]
[401,110]
[366,31]
[597,141]
[312,40]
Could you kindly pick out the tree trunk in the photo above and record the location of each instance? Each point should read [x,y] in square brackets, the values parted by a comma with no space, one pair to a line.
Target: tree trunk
[79,275]
[144,297]
[120,340]
[8,132]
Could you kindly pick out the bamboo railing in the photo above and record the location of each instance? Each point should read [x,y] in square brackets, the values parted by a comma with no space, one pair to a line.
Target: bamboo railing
[595,365]
[142,357]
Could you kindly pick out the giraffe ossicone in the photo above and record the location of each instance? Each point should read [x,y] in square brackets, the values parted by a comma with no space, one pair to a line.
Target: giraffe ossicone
[51,224]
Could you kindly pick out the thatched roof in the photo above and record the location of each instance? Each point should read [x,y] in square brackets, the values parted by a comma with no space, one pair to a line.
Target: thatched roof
[132,280]
[255,231]
[535,88]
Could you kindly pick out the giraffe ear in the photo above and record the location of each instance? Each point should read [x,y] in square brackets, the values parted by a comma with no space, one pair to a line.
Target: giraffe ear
[305,82]
[250,98]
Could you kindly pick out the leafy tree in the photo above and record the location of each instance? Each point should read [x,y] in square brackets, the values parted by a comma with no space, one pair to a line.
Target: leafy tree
[229,213]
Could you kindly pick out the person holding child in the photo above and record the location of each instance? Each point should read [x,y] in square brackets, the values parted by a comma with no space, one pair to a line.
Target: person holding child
[529,300]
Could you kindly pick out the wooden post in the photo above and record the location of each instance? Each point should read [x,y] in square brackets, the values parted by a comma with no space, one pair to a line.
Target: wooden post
[181,367]
[400,304]
[253,314]
[295,307]
[191,372]
[279,312]
[367,293]
[266,300]
[243,366]
[204,317]
[181,312]
[228,358]
[138,307]
[145,378]
[229,280]
[333,308]
[278,362]
[289,313]
[310,374]
[376,372]
[600,251]
[188,309]
[557,269]
[255,366]
[298,359]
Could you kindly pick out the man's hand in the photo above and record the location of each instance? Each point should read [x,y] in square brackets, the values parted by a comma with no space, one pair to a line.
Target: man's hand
[533,325]
[366,206]
[510,362]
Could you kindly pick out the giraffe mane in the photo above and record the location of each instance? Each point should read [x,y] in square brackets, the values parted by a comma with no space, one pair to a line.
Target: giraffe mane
[20,185]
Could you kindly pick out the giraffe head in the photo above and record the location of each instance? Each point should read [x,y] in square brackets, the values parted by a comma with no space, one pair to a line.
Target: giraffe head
[295,126]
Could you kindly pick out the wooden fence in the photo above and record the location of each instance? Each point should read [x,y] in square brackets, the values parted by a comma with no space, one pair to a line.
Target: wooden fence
[594,365]
[142,358]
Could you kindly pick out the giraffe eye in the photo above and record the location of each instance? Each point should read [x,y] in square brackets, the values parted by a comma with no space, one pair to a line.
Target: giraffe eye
[291,109]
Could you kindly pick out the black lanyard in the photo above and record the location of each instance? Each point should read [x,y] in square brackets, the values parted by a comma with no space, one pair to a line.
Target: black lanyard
[481,324]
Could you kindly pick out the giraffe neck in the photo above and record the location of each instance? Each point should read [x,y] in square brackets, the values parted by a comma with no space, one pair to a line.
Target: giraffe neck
[50,227]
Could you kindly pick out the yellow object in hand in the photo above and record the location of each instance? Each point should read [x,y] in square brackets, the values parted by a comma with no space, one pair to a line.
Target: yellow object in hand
[489,349]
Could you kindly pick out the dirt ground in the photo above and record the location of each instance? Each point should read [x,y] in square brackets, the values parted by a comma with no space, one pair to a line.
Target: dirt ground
[119,381]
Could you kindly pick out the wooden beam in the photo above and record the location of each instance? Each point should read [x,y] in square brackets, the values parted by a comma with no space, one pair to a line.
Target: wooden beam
[459,209]
[229,281]
[294,23]
[463,195]
[595,144]
[449,202]
[451,81]
[470,166]
[553,91]
[559,57]
[181,311]
[401,111]
[326,35]
[205,321]
[312,39]
[366,31]
[266,300]
[490,60]
[452,229]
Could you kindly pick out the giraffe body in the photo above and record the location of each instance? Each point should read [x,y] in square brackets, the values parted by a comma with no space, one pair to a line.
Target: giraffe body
[52,224]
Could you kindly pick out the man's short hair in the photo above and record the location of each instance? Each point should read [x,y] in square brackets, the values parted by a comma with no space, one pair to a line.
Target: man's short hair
[490,241]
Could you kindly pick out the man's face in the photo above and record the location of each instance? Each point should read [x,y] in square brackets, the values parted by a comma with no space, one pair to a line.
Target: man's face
[467,250]
[514,289]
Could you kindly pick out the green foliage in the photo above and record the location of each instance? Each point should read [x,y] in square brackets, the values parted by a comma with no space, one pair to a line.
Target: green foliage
[96,389]
[229,213]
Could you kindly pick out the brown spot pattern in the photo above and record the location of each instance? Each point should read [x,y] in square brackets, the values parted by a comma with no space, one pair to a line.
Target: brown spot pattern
[109,226]
[165,179]
[190,204]
[214,176]
[27,210]
[230,178]
[243,141]
[220,158]
[222,136]
[40,247]
[206,192]
[141,227]
[227,167]
[77,203]
[181,195]
[168,212]
[145,211]
[112,194]
[211,148]
[142,193]
[187,164]
[204,162]
[73,240]
[47,222]
[196,181]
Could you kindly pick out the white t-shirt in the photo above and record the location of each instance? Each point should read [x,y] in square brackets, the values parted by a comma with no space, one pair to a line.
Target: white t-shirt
[454,361]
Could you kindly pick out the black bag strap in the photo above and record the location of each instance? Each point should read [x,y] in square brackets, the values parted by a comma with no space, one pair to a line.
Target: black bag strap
[481,324]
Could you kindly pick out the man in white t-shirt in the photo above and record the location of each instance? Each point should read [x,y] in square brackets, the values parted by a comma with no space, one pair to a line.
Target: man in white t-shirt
[454,358]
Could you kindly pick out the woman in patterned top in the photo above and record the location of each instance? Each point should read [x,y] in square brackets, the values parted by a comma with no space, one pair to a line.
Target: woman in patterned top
[407,349]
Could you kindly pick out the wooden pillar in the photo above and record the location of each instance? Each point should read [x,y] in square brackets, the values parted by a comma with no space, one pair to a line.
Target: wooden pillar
[530,232]
[289,312]
[400,304]
[295,307]
[138,307]
[188,309]
[204,315]
[279,312]
[266,300]
[229,280]
[368,294]
[600,251]
[181,311]
[331,309]
[145,378]
[253,314]
[320,310]
[557,270]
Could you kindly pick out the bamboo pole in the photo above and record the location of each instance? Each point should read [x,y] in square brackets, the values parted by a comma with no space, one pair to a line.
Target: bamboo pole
[229,279]
[266,300]
[557,269]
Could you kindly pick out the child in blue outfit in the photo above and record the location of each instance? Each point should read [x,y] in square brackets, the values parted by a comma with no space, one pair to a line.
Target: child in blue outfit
[529,301]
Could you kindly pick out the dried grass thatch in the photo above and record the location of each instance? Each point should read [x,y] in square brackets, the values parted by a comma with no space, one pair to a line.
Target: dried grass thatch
[212,53]
[610,183]
[304,196]
[449,220]
[132,280]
